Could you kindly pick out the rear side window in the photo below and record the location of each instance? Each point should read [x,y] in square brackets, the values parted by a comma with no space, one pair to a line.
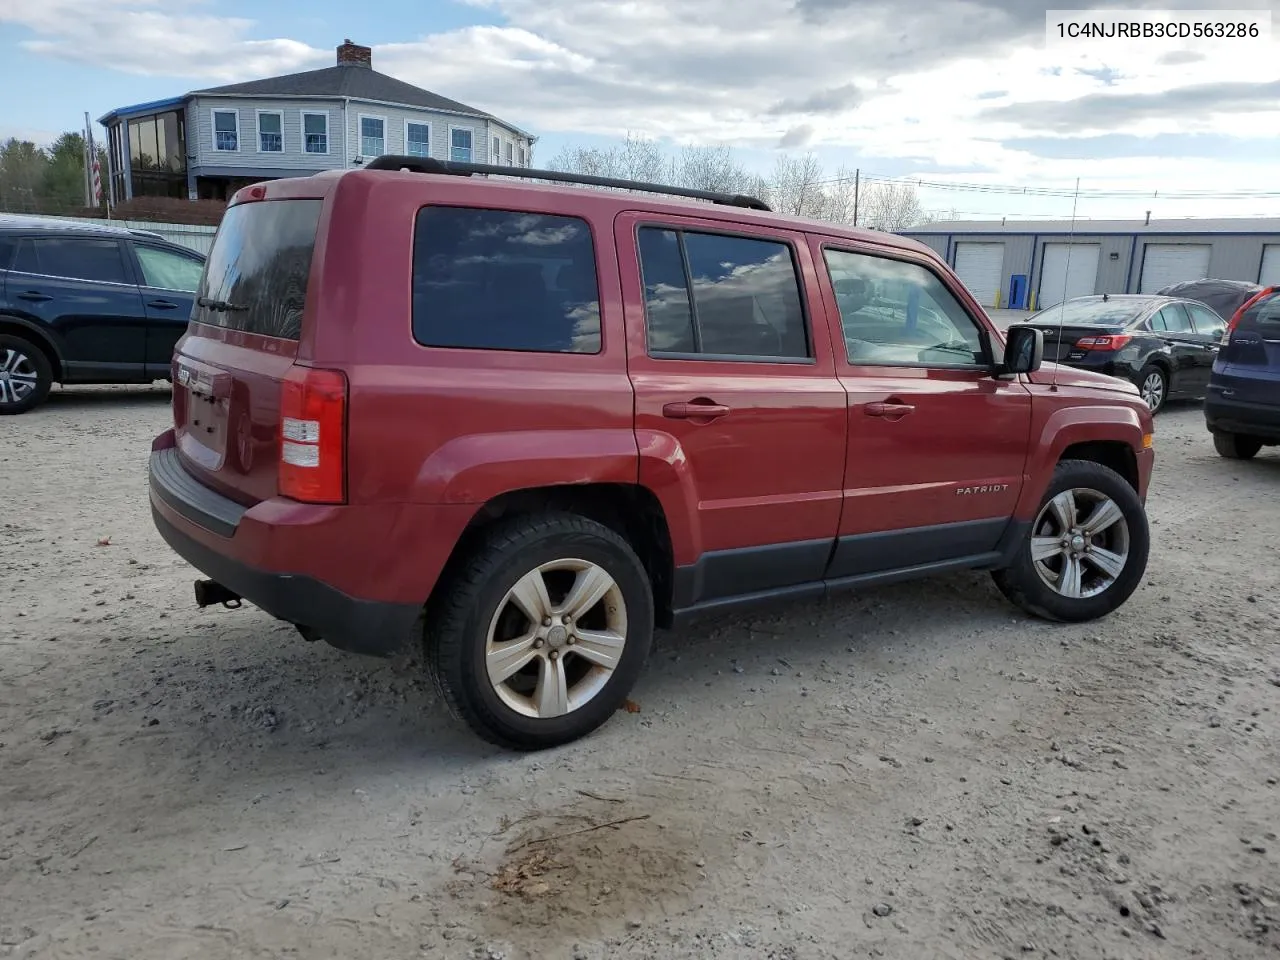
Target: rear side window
[1205,320]
[255,279]
[504,280]
[74,258]
[712,295]
[7,247]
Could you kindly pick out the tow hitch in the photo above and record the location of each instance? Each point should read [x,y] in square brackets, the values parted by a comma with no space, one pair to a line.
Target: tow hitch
[209,592]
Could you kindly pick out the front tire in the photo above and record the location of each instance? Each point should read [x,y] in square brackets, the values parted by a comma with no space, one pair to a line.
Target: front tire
[1236,446]
[538,636]
[1087,548]
[1153,384]
[26,376]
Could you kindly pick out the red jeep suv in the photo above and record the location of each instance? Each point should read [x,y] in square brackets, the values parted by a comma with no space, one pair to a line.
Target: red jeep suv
[527,422]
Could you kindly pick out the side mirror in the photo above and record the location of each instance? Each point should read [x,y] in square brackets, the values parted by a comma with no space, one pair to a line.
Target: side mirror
[1023,350]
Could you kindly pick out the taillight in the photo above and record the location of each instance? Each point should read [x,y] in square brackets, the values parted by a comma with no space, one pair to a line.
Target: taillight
[1113,341]
[313,436]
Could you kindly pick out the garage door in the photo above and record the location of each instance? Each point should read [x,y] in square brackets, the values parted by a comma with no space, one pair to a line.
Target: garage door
[1166,263]
[979,265]
[1269,275]
[1061,280]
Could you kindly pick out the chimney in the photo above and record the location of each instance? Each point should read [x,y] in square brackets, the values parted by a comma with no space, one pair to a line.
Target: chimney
[353,55]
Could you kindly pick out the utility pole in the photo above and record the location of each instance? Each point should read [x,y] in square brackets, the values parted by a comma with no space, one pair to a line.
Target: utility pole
[857,178]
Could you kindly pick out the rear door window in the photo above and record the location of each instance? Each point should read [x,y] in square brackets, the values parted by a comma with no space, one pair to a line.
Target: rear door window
[1265,311]
[167,270]
[73,258]
[504,280]
[1172,319]
[256,276]
[724,297]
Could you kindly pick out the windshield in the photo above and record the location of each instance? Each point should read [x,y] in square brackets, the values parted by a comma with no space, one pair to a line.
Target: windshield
[1102,313]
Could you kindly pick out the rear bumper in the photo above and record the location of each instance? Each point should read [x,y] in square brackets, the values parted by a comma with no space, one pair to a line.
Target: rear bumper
[1233,416]
[205,529]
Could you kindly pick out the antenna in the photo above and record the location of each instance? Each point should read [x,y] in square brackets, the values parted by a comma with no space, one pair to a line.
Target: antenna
[1062,307]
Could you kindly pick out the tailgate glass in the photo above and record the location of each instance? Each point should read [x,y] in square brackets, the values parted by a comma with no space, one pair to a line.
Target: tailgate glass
[256,276]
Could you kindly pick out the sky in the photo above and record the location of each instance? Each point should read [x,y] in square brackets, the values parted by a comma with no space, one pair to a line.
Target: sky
[965,93]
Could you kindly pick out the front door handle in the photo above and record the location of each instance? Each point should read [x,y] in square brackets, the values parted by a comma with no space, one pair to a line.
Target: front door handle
[700,409]
[35,296]
[162,305]
[892,410]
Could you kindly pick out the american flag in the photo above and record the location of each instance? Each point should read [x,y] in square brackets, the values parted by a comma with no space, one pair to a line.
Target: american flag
[95,168]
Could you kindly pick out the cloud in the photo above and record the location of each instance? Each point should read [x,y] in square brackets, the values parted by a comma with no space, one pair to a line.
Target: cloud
[1110,111]
[1178,58]
[151,37]
[832,100]
[796,138]
[1104,75]
[1126,145]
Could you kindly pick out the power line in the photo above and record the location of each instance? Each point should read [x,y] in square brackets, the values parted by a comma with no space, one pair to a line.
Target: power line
[1063,192]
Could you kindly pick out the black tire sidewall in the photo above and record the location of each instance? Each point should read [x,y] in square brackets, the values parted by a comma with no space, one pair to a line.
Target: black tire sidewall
[1164,376]
[471,676]
[1236,446]
[44,373]
[1023,583]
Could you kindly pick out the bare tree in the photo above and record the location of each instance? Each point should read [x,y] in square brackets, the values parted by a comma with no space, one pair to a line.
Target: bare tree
[798,186]
[891,207]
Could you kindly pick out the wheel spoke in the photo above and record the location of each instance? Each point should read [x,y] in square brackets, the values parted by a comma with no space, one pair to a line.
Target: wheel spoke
[11,359]
[601,647]
[1105,515]
[1045,548]
[1071,580]
[588,589]
[530,595]
[1064,510]
[7,393]
[552,695]
[504,660]
[1112,564]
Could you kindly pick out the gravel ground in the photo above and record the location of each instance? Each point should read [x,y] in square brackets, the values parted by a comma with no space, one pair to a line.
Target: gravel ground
[915,772]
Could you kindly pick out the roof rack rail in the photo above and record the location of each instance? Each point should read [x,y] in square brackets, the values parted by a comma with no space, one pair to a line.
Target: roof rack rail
[456,169]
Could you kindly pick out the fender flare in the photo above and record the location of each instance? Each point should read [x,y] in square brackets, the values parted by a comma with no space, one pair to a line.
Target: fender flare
[41,338]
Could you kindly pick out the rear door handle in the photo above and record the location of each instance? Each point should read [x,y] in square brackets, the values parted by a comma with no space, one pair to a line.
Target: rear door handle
[162,305]
[890,410]
[35,296]
[694,410]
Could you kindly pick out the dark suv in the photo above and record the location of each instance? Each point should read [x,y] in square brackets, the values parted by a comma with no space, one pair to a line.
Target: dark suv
[527,423]
[1242,409]
[87,303]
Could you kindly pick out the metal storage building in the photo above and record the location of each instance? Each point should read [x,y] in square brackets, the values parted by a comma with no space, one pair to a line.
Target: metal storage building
[1029,265]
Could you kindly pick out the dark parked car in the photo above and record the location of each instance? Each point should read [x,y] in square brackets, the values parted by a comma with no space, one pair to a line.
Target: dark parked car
[1223,297]
[1242,408]
[1163,345]
[87,303]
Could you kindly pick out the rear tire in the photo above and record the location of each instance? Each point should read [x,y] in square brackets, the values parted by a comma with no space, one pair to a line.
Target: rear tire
[538,635]
[1236,446]
[1153,384]
[1086,551]
[26,376]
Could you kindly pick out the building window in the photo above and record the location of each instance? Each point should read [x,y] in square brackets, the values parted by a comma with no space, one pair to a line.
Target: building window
[157,155]
[460,144]
[226,130]
[315,132]
[417,139]
[373,136]
[495,155]
[511,154]
[524,157]
[270,131]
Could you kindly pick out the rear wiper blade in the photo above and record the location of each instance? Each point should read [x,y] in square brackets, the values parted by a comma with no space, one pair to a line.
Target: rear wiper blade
[221,306]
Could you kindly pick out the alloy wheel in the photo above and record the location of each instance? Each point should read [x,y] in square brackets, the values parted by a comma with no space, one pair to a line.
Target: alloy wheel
[556,638]
[18,376]
[1153,390]
[1080,543]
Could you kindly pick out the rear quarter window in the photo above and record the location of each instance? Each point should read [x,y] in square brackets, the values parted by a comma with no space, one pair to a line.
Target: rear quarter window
[504,280]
